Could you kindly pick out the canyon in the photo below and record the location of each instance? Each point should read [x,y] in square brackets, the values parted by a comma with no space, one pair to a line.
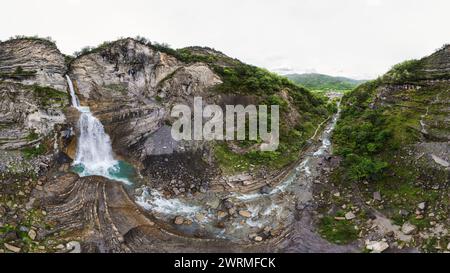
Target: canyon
[88,163]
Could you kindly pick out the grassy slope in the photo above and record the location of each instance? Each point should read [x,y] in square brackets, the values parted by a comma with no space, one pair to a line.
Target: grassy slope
[367,130]
[322,82]
[374,140]
[242,79]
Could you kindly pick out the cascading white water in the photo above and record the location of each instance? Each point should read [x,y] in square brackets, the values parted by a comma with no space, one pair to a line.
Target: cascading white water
[73,96]
[94,151]
[94,146]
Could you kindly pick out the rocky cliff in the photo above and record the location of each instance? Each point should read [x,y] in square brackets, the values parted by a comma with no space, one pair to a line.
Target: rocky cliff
[33,98]
[131,86]
[32,61]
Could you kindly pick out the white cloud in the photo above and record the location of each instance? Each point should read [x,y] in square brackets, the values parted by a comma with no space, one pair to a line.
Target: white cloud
[74,2]
[374,3]
[346,37]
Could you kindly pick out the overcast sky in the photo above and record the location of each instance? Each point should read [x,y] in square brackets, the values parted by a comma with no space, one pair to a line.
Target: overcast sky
[356,38]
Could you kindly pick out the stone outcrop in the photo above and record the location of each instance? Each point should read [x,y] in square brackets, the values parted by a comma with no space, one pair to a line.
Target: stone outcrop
[32,61]
[32,102]
[28,114]
[131,88]
[437,65]
[101,214]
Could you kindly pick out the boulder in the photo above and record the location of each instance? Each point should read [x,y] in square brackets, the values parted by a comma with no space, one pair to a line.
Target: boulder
[179,220]
[377,246]
[12,248]
[350,215]
[245,213]
[200,217]
[258,238]
[221,214]
[408,228]
[74,247]
[265,190]
[403,212]
[377,196]
[32,234]
[422,205]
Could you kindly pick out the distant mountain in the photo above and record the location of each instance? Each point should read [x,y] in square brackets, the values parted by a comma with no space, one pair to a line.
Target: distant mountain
[316,81]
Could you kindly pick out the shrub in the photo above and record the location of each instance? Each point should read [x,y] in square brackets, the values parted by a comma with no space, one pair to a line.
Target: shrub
[364,168]
[404,71]
[339,232]
[30,152]
[361,135]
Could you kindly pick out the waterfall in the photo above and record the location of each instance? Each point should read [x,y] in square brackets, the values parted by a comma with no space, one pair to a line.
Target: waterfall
[94,151]
[75,101]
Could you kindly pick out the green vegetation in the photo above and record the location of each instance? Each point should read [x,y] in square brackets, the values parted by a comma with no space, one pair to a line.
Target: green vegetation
[31,152]
[359,136]
[16,227]
[291,142]
[182,54]
[405,71]
[377,136]
[414,71]
[32,136]
[361,133]
[242,79]
[337,231]
[34,38]
[89,49]
[18,74]
[230,161]
[248,79]
[367,135]
[47,95]
[322,82]
[68,59]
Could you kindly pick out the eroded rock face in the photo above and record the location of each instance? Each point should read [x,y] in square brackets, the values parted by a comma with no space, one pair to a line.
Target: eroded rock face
[102,215]
[27,115]
[438,64]
[32,61]
[131,88]
[32,102]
